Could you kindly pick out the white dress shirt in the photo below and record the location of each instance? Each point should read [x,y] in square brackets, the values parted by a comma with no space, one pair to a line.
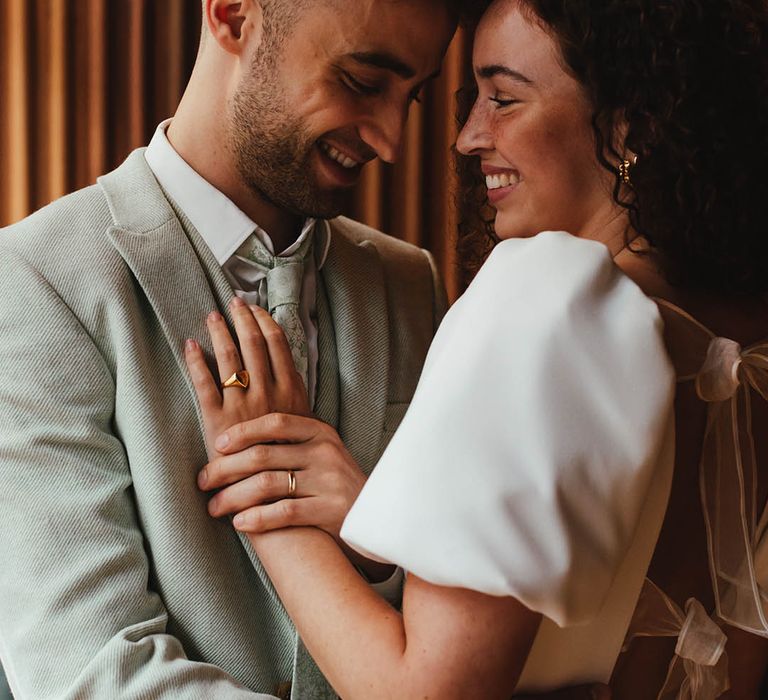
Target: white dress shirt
[224,228]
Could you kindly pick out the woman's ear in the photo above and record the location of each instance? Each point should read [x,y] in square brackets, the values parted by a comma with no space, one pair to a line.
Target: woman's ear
[233,25]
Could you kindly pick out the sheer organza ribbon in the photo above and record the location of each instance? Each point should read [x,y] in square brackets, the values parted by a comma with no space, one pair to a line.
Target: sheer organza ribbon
[736,532]
[699,669]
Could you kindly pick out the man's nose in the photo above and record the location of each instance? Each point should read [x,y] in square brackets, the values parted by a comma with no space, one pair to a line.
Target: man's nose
[476,136]
[384,132]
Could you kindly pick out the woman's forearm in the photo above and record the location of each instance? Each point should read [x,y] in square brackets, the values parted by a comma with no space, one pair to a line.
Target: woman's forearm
[356,637]
[449,643]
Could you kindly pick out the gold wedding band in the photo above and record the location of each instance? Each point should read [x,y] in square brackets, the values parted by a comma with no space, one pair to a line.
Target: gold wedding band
[240,379]
[291,484]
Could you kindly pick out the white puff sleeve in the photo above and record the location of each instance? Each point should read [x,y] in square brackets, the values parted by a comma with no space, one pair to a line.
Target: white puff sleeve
[523,463]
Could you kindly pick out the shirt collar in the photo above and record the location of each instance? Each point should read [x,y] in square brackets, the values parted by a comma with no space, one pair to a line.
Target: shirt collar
[222,225]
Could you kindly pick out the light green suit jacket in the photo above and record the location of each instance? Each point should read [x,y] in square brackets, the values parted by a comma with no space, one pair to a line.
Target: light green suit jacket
[114,581]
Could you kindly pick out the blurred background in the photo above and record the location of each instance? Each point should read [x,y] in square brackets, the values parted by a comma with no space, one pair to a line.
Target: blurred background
[84,82]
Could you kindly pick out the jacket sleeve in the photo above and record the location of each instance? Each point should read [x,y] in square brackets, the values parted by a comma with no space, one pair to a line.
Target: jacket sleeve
[77,616]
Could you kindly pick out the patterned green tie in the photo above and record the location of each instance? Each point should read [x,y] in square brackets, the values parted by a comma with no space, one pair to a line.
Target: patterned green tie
[285,276]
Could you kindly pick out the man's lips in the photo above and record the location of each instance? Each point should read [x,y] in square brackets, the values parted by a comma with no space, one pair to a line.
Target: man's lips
[344,155]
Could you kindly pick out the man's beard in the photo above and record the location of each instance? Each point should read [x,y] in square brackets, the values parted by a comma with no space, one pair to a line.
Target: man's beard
[273,152]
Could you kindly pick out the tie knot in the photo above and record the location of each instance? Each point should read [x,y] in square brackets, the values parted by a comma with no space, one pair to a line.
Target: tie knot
[284,284]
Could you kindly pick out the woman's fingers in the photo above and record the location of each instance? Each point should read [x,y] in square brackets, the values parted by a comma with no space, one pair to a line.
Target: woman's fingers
[227,356]
[290,512]
[206,387]
[259,489]
[281,360]
[253,347]
[230,469]
[273,427]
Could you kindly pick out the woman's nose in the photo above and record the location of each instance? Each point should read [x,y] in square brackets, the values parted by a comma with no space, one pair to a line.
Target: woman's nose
[476,135]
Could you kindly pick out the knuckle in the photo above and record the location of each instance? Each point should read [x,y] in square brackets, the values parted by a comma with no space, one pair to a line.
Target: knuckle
[288,508]
[229,353]
[328,450]
[255,520]
[266,482]
[252,337]
[274,333]
[278,421]
[258,454]
[213,472]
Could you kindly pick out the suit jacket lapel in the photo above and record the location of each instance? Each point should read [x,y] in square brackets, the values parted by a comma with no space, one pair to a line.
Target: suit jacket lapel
[172,271]
[354,280]
[178,273]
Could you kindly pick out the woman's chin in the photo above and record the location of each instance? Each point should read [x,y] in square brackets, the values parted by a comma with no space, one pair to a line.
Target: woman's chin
[506,230]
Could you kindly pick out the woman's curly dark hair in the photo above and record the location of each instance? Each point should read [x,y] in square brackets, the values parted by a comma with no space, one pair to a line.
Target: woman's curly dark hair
[690,77]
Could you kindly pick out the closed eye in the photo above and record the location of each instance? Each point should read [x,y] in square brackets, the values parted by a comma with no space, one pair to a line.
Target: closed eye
[503,103]
[361,88]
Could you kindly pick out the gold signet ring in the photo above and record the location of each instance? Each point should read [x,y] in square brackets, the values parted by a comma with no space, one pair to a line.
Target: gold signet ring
[241,380]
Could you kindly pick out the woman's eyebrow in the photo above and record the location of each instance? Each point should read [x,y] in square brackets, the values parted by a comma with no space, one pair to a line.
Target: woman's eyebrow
[498,69]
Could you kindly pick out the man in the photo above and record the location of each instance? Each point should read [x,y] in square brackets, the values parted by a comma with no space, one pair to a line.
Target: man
[116,582]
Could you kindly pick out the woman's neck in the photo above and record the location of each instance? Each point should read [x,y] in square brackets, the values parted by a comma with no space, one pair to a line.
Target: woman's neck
[612,229]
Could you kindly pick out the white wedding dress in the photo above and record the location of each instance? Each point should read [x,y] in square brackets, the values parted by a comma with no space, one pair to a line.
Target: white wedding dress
[536,458]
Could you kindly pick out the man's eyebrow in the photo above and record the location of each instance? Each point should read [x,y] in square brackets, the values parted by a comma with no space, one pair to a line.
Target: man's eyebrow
[386,61]
[497,69]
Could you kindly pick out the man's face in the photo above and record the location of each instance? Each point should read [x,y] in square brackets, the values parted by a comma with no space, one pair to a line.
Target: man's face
[331,96]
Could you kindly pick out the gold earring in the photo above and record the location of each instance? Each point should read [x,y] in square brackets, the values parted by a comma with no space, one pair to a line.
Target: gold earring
[624,167]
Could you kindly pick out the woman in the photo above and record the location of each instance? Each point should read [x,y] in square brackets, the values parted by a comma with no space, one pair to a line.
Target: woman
[532,472]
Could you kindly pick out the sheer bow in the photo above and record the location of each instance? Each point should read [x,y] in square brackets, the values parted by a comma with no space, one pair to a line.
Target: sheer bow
[699,670]
[729,482]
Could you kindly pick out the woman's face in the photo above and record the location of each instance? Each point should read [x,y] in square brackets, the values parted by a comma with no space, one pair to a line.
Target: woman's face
[531,128]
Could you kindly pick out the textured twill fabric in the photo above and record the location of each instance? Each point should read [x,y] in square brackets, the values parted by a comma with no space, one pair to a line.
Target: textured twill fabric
[115,582]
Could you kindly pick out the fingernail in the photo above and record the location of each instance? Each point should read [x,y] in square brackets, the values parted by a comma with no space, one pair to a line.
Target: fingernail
[202,479]
[213,509]
[239,521]
[237,302]
[222,441]
[190,345]
[214,316]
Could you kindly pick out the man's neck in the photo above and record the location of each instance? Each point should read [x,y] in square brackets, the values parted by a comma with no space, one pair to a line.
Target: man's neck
[213,161]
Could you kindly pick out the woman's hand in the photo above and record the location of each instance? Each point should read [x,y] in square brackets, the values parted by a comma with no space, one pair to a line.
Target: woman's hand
[253,473]
[275,385]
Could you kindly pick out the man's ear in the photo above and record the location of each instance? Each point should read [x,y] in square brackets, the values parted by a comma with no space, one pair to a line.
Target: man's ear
[234,25]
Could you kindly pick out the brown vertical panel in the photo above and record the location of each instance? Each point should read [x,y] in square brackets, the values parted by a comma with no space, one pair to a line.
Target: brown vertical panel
[16,36]
[135,85]
[5,132]
[407,194]
[173,71]
[87,92]
[368,205]
[441,202]
[53,172]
